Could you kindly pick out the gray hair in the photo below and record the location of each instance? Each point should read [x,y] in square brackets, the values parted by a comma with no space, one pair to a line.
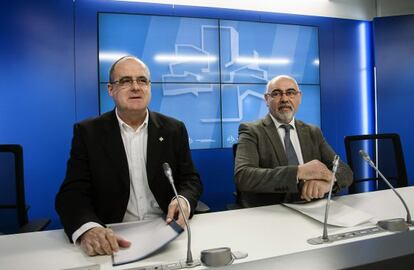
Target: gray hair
[281,77]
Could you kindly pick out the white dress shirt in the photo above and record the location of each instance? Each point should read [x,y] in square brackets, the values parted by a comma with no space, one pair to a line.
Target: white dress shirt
[293,137]
[142,204]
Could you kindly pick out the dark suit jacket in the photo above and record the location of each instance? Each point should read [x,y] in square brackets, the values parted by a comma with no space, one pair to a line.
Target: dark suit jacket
[97,183]
[262,174]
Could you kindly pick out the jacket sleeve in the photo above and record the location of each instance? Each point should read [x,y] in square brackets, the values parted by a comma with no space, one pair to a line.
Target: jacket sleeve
[188,180]
[254,175]
[344,175]
[74,202]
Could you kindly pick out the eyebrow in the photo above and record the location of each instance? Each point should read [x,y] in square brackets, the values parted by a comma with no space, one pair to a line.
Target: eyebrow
[130,77]
[282,90]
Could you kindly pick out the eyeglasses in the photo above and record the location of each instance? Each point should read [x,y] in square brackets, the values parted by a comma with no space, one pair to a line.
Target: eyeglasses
[290,93]
[128,82]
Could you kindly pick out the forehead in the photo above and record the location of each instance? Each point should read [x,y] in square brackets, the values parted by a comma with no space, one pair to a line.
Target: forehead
[282,84]
[130,67]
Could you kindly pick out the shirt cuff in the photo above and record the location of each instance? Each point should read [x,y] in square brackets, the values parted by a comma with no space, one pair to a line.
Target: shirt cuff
[82,229]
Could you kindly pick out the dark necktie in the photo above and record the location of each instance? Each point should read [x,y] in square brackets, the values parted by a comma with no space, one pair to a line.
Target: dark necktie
[290,151]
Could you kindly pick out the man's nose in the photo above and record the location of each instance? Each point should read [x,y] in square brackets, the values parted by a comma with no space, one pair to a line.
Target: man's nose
[135,85]
[284,98]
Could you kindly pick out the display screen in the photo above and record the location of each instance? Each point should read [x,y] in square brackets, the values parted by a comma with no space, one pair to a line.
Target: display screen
[211,73]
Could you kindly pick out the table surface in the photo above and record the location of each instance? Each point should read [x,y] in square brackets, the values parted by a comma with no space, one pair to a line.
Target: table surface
[262,232]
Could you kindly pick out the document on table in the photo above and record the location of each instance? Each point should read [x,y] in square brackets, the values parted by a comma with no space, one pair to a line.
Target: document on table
[339,214]
[146,237]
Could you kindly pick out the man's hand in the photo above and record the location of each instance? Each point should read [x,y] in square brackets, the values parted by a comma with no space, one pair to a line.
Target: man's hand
[314,169]
[174,212]
[101,241]
[314,189]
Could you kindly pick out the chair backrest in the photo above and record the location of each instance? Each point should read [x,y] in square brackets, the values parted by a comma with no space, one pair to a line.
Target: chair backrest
[13,212]
[385,151]
[237,192]
[234,150]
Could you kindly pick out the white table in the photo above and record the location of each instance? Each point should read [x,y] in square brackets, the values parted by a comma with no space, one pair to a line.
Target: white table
[263,232]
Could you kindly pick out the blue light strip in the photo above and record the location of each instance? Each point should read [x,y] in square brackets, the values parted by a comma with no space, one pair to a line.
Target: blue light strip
[366,91]
[364,70]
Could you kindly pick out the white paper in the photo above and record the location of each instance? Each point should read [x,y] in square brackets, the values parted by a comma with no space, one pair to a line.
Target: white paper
[146,237]
[339,214]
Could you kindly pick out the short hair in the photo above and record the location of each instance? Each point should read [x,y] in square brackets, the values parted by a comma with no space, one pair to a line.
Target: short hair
[111,70]
[282,77]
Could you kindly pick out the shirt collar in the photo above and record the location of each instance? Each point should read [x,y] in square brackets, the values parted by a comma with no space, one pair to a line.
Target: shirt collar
[278,124]
[125,126]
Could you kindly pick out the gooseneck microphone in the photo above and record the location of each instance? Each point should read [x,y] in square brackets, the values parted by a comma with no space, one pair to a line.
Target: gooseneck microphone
[328,201]
[325,238]
[392,224]
[189,261]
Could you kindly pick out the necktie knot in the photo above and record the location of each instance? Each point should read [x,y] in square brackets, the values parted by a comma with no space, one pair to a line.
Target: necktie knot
[290,151]
[287,128]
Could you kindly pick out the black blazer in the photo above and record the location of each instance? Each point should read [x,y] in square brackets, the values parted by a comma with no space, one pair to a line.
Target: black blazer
[97,184]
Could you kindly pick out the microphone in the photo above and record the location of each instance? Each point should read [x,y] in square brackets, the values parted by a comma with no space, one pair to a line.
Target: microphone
[325,237]
[189,263]
[396,224]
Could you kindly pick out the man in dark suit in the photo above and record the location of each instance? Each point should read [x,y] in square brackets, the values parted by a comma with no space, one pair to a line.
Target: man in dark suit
[281,159]
[115,173]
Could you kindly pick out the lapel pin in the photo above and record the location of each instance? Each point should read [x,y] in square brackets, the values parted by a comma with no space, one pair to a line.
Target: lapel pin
[161,139]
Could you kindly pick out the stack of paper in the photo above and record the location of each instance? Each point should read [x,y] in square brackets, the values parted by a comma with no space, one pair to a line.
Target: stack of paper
[146,237]
[339,214]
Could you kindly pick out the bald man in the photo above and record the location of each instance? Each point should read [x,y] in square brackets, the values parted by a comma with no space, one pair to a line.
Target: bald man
[114,173]
[281,159]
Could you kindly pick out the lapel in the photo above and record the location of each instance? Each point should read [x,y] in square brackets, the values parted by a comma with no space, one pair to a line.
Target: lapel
[156,140]
[271,132]
[114,147]
[304,140]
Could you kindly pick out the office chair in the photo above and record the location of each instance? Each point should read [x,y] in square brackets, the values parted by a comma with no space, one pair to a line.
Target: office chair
[201,208]
[385,151]
[13,208]
[236,204]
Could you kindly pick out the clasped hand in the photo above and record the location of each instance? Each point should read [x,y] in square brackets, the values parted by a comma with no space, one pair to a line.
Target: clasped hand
[317,179]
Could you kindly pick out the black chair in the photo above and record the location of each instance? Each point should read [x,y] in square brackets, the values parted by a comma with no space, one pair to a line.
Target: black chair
[236,204]
[385,151]
[13,208]
[201,208]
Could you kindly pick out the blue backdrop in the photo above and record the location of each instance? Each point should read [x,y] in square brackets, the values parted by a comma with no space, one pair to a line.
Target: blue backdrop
[50,62]
[211,73]
[394,57]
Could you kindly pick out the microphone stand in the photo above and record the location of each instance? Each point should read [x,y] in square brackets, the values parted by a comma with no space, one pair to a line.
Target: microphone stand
[189,263]
[396,224]
[325,237]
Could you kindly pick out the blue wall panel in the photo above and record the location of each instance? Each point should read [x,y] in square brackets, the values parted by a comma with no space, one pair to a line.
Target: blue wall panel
[37,101]
[340,52]
[50,63]
[347,88]
[394,59]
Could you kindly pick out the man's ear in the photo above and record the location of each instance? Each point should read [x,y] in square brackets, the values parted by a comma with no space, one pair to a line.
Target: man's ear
[110,89]
[266,98]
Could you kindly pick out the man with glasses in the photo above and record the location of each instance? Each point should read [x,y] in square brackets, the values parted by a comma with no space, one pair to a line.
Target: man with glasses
[282,159]
[115,174]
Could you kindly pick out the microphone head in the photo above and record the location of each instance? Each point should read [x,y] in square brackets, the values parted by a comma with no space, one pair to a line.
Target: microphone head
[168,172]
[335,163]
[364,155]
[166,167]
